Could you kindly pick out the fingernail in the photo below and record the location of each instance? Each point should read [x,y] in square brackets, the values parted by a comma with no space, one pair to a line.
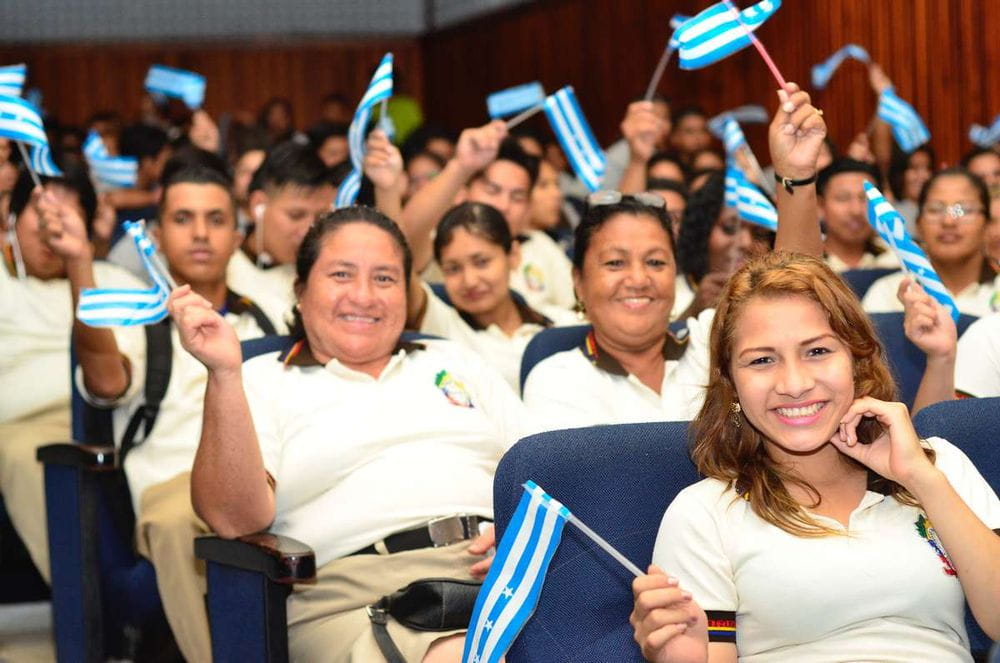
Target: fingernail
[788,107]
[671,580]
[686,595]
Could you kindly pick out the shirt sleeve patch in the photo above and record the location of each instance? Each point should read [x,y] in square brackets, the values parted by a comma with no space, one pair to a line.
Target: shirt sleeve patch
[721,625]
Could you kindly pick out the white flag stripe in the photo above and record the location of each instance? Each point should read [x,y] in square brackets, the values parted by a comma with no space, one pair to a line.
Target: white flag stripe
[379,88]
[569,142]
[551,519]
[579,132]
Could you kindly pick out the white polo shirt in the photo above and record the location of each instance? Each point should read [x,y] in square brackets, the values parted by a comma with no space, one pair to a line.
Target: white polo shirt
[357,458]
[173,441]
[868,261]
[270,288]
[36,319]
[684,292]
[499,350]
[978,299]
[544,276]
[977,365]
[884,591]
[586,386]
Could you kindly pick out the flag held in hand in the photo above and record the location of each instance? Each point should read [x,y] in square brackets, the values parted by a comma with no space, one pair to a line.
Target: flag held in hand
[187,86]
[720,31]
[379,88]
[121,307]
[823,71]
[107,171]
[891,227]
[577,140]
[515,99]
[21,121]
[908,129]
[42,162]
[750,203]
[12,79]
[510,592]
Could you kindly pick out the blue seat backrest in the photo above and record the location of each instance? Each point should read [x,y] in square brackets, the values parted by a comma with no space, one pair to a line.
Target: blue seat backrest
[972,425]
[906,360]
[861,279]
[619,481]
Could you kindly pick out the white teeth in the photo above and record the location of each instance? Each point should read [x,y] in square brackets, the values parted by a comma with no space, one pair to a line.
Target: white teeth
[795,412]
[357,318]
[636,300]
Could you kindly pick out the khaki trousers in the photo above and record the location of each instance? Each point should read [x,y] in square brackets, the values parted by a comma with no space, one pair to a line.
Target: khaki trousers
[328,622]
[22,477]
[166,527]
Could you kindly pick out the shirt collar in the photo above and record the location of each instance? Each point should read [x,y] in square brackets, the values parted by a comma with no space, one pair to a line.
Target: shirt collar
[300,354]
[528,316]
[673,349]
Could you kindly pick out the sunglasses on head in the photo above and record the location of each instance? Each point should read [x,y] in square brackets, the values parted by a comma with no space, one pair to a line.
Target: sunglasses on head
[611,197]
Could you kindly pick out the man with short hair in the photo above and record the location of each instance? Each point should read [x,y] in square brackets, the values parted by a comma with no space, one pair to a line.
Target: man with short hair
[157,426]
[496,172]
[289,190]
[850,240]
[329,140]
[690,132]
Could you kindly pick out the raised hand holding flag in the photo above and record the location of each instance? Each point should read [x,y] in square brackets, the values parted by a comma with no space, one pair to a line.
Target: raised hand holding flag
[379,88]
[891,227]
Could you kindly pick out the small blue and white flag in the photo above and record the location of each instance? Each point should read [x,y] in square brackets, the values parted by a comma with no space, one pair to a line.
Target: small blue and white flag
[21,121]
[732,136]
[823,72]
[676,21]
[515,99]
[576,138]
[720,31]
[123,307]
[750,203]
[908,129]
[12,79]
[891,227]
[510,591]
[379,88]
[985,136]
[42,162]
[187,86]
[107,171]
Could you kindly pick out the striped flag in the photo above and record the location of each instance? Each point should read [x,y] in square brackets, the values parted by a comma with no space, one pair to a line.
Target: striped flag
[720,31]
[510,592]
[12,79]
[750,203]
[749,114]
[41,162]
[732,136]
[379,88]
[109,172]
[574,134]
[121,307]
[177,83]
[515,99]
[676,21]
[891,227]
[823,72]
[21,121]
[985,136]
[907,127]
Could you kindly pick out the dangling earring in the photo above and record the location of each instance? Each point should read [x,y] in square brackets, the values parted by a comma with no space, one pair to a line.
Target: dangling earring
[735,416]
[580,309]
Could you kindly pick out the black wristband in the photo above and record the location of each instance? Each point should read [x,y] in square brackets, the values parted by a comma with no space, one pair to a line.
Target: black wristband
[789,184]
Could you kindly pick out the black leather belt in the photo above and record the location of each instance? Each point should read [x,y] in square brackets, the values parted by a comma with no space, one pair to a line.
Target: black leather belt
[435,534]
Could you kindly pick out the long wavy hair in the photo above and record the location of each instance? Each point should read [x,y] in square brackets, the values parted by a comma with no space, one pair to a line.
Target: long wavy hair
[737,455]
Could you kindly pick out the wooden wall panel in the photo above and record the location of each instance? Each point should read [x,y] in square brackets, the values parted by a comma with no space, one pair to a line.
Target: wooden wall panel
[80,79]
[943,55]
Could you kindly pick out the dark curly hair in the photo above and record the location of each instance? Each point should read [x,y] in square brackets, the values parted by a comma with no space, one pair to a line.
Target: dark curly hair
[703,208]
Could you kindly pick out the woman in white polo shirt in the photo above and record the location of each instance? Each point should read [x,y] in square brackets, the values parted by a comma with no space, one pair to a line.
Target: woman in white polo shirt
[476,252]
[954,215]
[352,441]
[629,368]
[811,537]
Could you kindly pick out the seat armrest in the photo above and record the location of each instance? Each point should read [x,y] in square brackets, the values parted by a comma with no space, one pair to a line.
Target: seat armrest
[95,458]
[280,558]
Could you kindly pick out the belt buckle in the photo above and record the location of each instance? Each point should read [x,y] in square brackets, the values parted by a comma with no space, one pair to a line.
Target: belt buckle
[447,530]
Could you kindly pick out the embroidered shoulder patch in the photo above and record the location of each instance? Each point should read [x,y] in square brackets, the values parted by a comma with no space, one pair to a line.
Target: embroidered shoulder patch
[453,389]
[926,532]
[534,278]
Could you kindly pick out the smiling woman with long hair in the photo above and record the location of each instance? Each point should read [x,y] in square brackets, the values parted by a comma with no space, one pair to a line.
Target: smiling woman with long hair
[810,537]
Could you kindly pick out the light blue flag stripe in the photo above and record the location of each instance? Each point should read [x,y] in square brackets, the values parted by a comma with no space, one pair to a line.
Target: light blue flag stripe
[515,99]
[716,32]
[891,227]
[908,129]
[574,135]
[749,114]
[510,592]
[12,79]
[732,196]
[732,136]
[109,172]
[21,121]
[42,162]
[177,83]
[379,88]
[750,204]
[93,146]
[985,136]
[121,307]
[823,71]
